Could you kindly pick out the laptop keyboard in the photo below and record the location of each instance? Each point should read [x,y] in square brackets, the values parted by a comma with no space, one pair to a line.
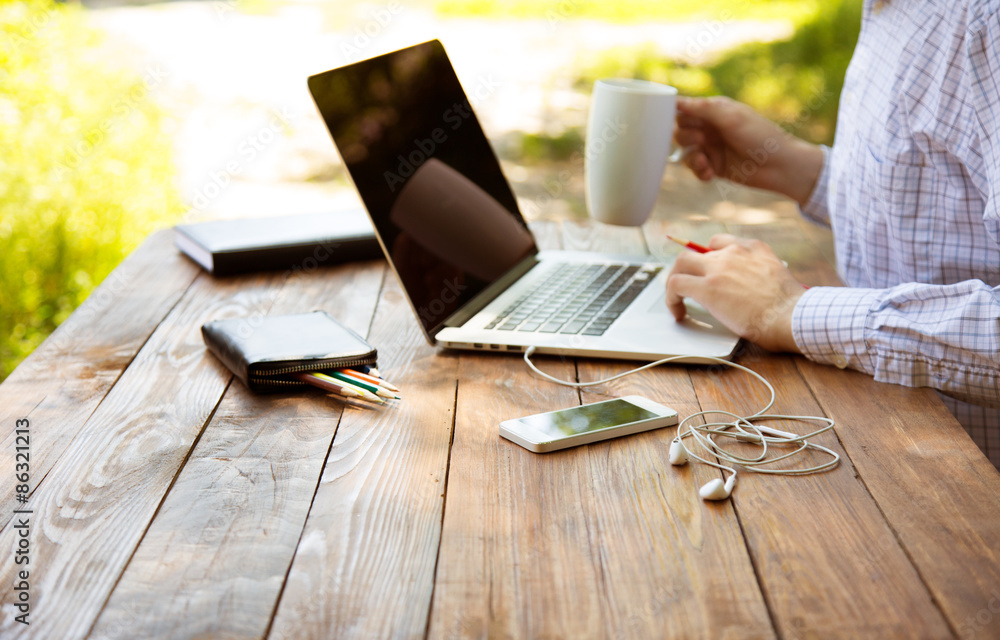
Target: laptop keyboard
[577,298]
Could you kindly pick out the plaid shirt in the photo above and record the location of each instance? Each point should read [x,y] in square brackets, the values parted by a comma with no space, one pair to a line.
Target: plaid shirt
[911,189]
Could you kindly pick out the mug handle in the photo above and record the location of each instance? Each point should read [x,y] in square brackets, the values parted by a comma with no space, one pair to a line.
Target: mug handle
[679,153]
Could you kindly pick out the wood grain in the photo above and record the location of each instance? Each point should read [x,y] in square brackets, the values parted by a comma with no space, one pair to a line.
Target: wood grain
[170,506]
[213,562]
[939,493]
[365,565]
[60,384]
[95,504]
[810,590]
[506,553]
[819,540]
[659,542]
[517,558]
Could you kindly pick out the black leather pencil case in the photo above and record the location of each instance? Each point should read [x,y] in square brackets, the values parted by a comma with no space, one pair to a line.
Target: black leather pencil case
[263,351]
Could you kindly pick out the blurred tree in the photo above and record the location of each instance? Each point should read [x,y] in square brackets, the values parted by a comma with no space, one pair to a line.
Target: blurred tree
[85,169]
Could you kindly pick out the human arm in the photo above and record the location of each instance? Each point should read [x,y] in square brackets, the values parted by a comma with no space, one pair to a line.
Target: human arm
[941,336]
[944,335]
[728,139]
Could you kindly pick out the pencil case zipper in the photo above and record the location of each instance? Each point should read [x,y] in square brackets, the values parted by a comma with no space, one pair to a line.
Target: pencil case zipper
[271,379]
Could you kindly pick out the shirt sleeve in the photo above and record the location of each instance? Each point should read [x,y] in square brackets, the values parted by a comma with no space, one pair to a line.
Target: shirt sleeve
[945,336]
[983,42]
[816,209]
[941,336]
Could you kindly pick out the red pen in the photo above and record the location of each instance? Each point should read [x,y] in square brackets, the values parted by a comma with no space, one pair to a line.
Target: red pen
[694,246]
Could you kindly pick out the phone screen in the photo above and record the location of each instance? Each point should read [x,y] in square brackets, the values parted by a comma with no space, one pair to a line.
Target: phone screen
[589,417]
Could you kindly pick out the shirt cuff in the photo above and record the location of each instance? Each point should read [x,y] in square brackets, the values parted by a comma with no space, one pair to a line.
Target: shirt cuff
[816,209]
[828,324]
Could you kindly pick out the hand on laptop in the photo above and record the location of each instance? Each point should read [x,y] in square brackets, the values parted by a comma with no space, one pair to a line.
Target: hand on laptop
[743,285]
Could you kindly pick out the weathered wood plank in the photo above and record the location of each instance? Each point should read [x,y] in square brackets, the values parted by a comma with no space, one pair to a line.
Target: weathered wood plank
[95,504]
[517,558]
[666,540]
[933,496]
[818,540]
[582,236]
[934,486]
[213,561]
[60,384]
[548,235]
[820,594]
[668,559]
[365,565]
[615,547]
[514,559]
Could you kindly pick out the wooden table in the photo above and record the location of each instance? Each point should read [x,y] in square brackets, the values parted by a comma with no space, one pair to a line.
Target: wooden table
[166,501]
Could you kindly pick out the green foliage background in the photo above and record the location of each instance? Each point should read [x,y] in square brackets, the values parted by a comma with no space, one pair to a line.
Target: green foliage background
[795,82]
[85,169]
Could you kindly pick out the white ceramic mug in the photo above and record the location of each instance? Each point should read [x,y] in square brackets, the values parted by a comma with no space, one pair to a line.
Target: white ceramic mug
[629,135]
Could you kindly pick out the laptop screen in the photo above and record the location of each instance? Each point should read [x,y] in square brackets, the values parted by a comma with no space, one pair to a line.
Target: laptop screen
[427,175]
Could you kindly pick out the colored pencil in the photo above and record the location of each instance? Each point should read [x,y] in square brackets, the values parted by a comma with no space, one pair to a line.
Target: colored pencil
[333,387]
[364,377]
[328,384]
[378,391]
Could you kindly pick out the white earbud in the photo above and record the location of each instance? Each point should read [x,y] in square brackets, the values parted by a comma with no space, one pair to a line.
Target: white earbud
[678,454]
[710,435]
[717,490]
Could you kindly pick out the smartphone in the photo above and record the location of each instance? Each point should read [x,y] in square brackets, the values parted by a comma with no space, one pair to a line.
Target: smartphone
[587,423]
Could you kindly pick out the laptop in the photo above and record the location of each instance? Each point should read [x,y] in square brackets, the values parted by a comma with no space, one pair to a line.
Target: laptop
[452,232]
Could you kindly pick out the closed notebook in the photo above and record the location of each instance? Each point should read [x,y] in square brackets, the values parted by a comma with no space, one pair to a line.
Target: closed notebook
[226,247]
[263,351]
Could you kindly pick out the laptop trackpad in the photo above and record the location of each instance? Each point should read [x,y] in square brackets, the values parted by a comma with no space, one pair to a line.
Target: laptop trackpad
[697,315]
[660,306]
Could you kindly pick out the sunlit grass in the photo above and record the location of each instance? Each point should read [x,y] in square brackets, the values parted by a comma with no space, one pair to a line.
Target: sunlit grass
[85,169]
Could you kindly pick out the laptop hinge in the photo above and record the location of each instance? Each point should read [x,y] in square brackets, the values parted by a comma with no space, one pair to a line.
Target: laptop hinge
[487,295]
